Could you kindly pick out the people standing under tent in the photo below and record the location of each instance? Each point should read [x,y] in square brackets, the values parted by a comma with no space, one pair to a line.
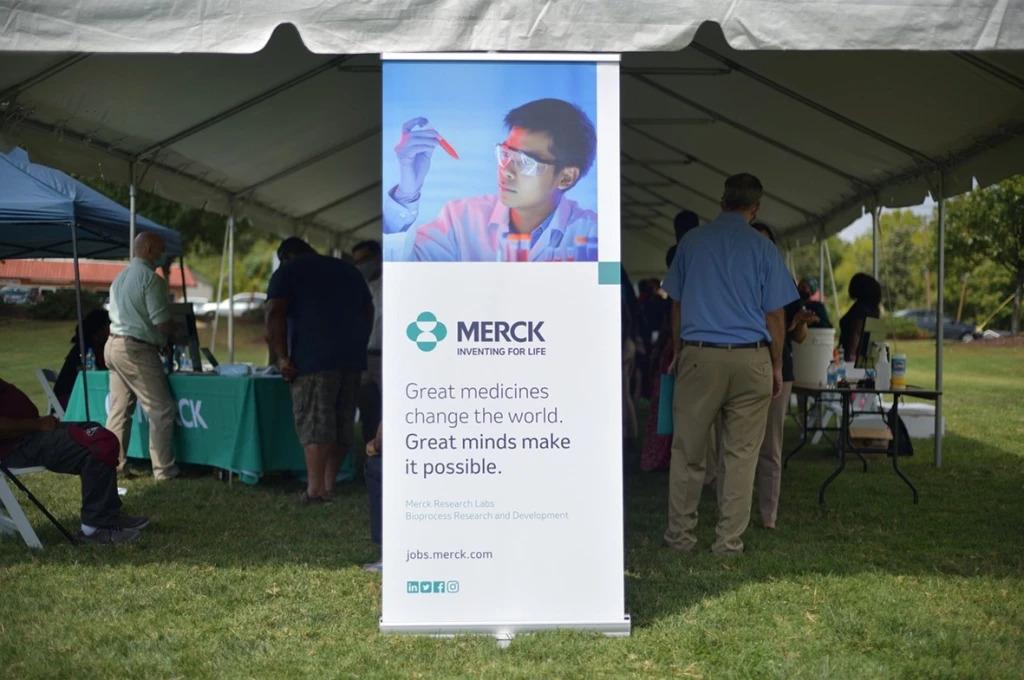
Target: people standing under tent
[367,257]
[854,339]
[768,476]
[97,330]
[684,222]
[318,321]
[657,448]
[810,299]
[140,321]
[729,286]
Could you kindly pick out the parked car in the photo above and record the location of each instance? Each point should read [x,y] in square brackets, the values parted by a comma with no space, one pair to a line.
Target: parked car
[245,304]
[925,320]
[16,295]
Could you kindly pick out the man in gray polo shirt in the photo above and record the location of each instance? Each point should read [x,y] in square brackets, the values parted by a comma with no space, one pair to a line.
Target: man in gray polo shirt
[728,286]
[140,319]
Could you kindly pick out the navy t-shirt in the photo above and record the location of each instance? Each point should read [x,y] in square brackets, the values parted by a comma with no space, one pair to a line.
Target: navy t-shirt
[328,327]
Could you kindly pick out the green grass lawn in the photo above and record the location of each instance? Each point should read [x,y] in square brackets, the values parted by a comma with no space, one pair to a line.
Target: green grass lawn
[236,581]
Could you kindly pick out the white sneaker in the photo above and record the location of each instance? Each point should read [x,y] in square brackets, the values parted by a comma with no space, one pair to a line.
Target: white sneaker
[374,567]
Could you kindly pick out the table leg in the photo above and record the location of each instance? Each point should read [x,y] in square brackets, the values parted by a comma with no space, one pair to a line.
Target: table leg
[803,434]
[863,460]
[842,452]
[895,453]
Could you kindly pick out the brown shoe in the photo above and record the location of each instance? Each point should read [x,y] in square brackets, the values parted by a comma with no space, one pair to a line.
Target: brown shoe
[305,499]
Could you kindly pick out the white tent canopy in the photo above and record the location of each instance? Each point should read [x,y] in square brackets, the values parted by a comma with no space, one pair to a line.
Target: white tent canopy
[291,139]
[525,25]
[838,105]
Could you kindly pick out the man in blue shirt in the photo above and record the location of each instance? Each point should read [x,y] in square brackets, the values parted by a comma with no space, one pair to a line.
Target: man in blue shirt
[729,286]
[550,146]
[319,316]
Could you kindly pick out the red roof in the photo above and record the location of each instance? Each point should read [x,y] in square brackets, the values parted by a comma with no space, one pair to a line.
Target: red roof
[94,273]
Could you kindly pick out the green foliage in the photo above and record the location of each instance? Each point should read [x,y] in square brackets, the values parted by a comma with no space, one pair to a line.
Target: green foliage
[60,305]
[985,242]
[904,329]
[203,234]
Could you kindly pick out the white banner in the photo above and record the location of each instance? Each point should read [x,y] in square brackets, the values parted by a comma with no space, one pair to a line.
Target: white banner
[502,372]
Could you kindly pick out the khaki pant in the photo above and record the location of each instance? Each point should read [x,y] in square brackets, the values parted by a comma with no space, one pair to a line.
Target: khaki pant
[738,385]
[136,374]
[769,461]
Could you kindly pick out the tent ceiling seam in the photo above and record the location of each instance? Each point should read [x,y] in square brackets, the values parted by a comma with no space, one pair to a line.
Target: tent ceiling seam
[990,68]
[311,160]
[127,157]
[364,223]
[682,185]
[42,76]
[754,133]
[814,105]
[335,203]
[632,183]
[240,107]
[943,166]
[719,171]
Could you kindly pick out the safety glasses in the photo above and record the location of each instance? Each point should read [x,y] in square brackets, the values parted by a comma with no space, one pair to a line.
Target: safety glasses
[520,160]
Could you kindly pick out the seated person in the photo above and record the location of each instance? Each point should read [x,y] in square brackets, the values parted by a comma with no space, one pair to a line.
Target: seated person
[808,289]
[550,146]
[83,449]
[854,341]
[97,329]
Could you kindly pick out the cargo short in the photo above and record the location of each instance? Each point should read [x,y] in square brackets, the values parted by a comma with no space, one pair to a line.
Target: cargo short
[324,407]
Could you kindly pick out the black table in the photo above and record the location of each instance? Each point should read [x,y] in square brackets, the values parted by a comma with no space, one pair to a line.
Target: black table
[844,444]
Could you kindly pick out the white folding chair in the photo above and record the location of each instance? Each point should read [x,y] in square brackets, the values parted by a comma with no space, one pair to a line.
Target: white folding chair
[47,379]
[12,517]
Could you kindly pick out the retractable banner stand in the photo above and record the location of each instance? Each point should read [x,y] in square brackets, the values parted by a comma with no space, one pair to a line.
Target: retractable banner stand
[502,362]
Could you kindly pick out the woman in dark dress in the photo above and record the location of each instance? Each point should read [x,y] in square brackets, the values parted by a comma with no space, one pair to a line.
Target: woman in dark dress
[97,329]
[854,340]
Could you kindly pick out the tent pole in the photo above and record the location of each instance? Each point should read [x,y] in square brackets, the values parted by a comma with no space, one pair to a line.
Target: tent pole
[220,286]
[939,304]
[184,286]
[821,264]
[81,324]
[131,210]
[231,288]
[875,217]
[832,278]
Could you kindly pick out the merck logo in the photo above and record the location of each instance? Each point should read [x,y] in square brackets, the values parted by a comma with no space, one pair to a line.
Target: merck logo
[426,331]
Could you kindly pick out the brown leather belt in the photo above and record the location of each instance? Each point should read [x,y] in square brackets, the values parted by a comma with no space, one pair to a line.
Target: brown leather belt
[722,345]
[129,337]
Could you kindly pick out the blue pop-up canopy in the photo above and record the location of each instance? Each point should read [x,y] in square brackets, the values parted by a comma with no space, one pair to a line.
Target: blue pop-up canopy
[39,204]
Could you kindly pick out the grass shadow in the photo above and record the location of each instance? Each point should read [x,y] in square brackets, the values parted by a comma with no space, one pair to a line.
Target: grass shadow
[967,524]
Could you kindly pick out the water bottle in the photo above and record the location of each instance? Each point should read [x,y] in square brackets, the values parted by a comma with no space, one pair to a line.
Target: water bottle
[591,249]
[883,369]
[832,374]
[184,360]
[841,372]
[90,360]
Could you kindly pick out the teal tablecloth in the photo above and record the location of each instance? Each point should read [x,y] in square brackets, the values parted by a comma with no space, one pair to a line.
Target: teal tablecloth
[240,424]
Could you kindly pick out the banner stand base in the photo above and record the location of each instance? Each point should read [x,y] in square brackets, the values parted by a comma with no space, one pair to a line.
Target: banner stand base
[504,633]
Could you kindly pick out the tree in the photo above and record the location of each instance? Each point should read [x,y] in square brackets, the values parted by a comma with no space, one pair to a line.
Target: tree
[986,227]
